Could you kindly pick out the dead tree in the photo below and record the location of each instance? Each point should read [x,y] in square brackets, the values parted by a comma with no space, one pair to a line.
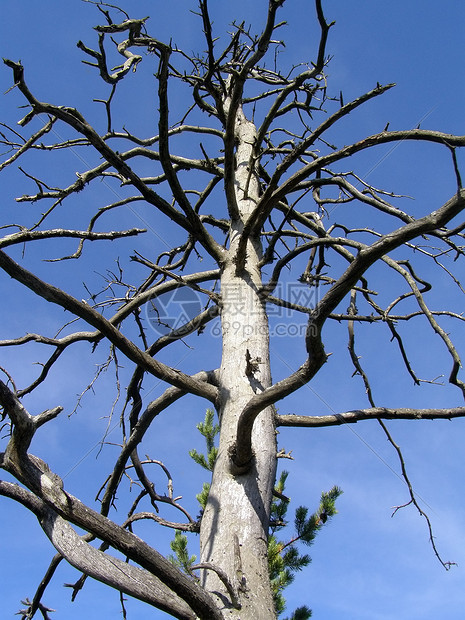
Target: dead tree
[249,180]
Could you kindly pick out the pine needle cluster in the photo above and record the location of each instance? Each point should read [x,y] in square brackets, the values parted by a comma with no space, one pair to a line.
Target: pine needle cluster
[284,558]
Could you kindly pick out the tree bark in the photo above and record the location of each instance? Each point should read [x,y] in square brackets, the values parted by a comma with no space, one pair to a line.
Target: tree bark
[234,528]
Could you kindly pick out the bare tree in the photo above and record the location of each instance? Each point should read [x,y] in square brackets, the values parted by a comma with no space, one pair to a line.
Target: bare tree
[247,178]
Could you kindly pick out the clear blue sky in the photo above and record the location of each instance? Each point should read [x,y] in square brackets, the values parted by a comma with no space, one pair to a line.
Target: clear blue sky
[366,565]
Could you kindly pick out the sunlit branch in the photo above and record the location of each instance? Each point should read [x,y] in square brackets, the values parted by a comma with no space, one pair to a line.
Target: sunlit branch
[105,568]
[35,235]
[150,516]
[273,193]
[241,452]
[233,104]
[420,135]
[362,196]
[37,477]
[86,312]
[29,143]
[132,60]
[374,413]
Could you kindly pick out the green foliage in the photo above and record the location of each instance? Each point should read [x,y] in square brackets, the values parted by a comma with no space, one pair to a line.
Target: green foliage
[279,508]
[301,613]
[284,558]
[281,567]
[203,495]
[181,559]
[209,431]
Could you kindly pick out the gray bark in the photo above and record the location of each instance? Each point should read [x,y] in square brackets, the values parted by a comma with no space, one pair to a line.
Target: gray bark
[234,527]
[234,530]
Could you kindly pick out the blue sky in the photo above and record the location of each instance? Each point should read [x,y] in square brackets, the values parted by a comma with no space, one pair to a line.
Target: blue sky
[365,564]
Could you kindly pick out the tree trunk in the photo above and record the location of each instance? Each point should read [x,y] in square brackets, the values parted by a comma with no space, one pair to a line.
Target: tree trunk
[234,529]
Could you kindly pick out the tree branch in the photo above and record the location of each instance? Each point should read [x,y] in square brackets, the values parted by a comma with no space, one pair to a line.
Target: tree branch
[373,413]
[35,235]
[126,346]
[74,119]
[105,568]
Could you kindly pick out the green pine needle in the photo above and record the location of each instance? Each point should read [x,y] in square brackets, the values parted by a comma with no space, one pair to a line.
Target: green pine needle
[181,559]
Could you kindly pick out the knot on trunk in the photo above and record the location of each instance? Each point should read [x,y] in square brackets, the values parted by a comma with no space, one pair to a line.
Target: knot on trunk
[236,466]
